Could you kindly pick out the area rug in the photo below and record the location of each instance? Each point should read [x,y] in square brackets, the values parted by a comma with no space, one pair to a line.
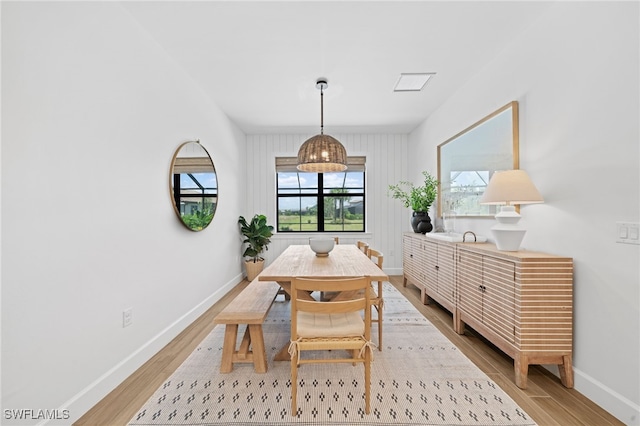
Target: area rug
[419,378]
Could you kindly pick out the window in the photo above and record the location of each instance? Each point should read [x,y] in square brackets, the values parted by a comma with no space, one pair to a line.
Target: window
[318,202]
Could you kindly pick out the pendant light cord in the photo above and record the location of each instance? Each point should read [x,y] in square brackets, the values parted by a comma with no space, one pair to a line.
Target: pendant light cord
[321,111]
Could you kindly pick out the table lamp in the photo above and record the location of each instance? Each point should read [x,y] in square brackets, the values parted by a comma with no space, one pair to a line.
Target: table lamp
[508,188]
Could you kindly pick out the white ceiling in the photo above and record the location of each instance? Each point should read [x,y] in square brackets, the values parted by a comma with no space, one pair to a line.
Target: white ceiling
[259,61]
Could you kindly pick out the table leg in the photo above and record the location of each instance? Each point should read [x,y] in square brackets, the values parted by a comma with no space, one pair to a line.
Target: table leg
[283,354]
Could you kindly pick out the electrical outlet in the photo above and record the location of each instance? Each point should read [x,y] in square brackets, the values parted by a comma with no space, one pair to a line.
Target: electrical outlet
[127,317]
[628,232]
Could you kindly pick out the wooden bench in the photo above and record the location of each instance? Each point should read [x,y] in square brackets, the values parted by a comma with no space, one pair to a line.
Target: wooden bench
[250,307]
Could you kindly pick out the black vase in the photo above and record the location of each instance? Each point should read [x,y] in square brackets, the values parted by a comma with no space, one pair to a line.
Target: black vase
[421,222]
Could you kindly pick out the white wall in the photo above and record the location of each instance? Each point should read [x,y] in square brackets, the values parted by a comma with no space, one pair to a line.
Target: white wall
[575,75]
[387,159]
[92,111]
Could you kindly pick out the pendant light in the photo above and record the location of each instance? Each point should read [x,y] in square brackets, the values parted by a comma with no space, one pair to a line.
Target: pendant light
[322,153]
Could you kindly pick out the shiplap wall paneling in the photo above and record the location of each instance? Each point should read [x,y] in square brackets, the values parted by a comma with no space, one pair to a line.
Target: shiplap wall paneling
[386,164]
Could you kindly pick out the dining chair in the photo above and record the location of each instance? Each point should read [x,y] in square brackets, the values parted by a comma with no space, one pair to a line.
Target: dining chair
[376,297]
[330,326]
[375,294]
[362,246]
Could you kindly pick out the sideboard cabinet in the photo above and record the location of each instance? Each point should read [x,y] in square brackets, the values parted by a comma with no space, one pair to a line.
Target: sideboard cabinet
[521,301]
[430,266]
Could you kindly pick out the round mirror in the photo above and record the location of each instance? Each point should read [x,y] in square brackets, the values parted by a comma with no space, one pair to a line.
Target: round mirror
[194,186]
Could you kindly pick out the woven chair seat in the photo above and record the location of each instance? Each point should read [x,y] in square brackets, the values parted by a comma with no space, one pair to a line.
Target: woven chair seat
[330,325]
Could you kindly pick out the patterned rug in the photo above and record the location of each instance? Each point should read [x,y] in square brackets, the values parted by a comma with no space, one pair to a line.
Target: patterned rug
[419,378]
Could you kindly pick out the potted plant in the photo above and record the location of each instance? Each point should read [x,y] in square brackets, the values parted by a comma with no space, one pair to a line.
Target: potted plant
[419,199]
[257,236]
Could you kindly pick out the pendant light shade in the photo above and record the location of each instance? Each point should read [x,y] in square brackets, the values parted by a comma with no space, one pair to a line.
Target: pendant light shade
[322,153]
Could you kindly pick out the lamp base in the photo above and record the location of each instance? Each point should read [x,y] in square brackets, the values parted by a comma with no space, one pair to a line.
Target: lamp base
[508,239]
[507,232]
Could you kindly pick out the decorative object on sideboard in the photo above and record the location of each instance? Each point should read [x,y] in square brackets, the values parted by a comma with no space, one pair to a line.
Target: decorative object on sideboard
[257,236]
[322,246]
[193,183]
[421,222]
[419,199]
[508,188]
[322,153]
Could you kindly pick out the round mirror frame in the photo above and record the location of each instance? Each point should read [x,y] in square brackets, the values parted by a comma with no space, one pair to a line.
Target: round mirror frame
[195,203]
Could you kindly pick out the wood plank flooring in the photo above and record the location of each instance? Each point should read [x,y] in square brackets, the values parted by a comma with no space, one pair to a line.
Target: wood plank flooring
[545,399]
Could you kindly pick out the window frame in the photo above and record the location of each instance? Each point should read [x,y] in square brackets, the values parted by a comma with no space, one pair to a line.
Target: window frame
[284,165]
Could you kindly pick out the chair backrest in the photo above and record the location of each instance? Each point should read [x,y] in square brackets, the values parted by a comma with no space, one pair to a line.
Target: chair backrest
[363,246]
[376,256]
[302,286]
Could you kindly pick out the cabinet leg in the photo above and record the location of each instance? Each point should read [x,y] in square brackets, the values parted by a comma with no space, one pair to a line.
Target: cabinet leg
[423,297]
[458,324]
[521,367]
[566,371]
[404,281]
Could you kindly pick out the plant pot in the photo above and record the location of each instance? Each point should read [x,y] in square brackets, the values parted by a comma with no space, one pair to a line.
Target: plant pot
[421,222]
[253,268]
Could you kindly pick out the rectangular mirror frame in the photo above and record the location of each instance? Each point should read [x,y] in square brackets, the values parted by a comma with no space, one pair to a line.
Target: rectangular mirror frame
[467,136]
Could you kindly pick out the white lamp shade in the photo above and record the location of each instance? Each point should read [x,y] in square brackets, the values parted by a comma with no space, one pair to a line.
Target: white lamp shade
[511,187]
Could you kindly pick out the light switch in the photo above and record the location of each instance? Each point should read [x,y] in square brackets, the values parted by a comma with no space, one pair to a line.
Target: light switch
[622,231]
[628,232]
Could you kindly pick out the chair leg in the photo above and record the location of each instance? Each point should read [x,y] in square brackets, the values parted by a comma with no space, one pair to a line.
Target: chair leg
[294,384]
[379,309]
[367,380]
[355,353]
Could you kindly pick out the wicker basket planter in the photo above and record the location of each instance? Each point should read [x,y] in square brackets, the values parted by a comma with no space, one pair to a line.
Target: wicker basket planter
[253,268]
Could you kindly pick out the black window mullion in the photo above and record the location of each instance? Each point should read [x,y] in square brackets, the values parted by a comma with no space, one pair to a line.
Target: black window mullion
[320,202]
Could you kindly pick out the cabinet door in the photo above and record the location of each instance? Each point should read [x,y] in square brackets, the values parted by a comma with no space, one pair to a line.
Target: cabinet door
[411,259]
[407,257]
[469,280]
[446,272]
[430,250]
[499,296]
[421,258]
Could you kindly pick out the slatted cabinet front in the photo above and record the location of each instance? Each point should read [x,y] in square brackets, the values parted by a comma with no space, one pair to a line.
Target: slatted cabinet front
[521,301]
[440,272]
[487,293]
[430,266]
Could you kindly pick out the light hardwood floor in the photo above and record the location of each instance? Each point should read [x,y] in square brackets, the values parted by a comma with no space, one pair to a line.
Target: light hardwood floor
[545,399]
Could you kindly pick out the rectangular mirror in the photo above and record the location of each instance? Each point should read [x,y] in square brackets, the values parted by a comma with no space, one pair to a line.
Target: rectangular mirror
[467,161]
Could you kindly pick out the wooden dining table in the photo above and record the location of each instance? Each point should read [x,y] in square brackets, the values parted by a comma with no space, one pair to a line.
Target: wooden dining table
[344,261]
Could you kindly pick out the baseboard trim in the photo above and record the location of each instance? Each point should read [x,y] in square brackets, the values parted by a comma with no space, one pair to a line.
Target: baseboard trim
[88,397]
[620,407]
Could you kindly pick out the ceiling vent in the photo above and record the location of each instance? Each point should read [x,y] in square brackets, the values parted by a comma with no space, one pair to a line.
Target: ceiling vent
[413,82]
